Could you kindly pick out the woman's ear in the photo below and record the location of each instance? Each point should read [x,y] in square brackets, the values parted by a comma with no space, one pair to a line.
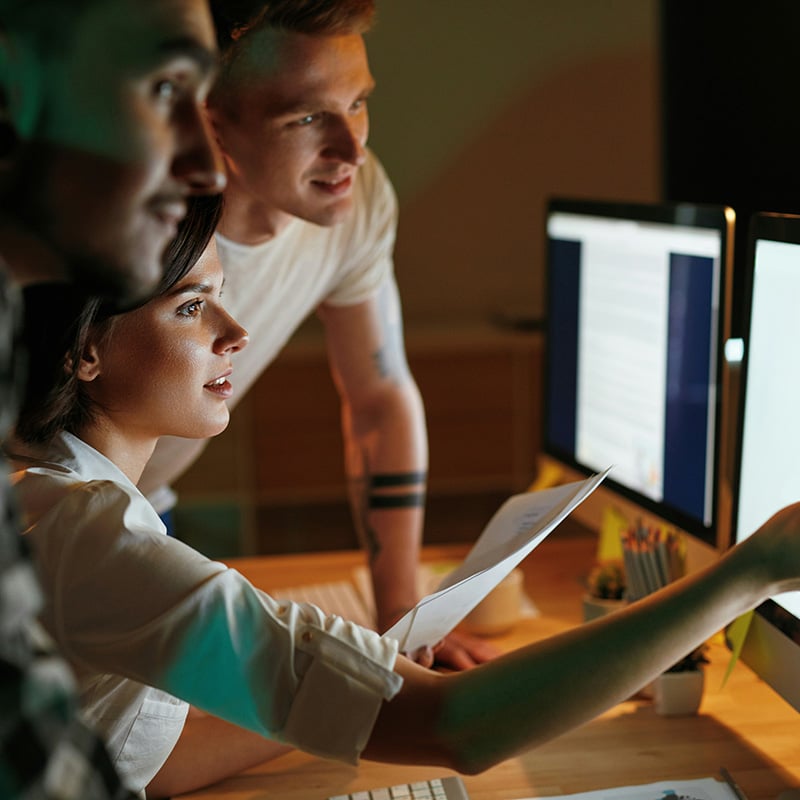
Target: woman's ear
[89,364]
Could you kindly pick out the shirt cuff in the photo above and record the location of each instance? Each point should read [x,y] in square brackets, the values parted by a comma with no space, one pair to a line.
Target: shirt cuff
[339,697]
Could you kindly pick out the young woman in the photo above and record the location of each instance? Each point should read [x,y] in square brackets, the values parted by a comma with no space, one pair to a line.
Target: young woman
[125,600]
[103,386]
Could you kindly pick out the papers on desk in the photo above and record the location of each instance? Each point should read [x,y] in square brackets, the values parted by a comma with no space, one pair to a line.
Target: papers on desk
[699,789]
[520,524]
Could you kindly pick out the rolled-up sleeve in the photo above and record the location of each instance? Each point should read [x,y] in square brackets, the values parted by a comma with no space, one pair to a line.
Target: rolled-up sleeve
[292,673]
[134,602]
[347,685]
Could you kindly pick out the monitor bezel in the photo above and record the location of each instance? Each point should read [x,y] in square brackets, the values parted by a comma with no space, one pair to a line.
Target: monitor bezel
[720,219]
[778,228]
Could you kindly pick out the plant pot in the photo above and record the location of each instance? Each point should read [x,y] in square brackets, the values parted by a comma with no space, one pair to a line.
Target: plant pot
[678,693]
[594,607]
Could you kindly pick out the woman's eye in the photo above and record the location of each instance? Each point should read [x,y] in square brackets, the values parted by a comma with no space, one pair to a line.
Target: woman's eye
[191,309]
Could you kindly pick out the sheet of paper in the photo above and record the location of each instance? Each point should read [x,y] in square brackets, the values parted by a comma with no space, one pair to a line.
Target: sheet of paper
[520,524]
[698,789]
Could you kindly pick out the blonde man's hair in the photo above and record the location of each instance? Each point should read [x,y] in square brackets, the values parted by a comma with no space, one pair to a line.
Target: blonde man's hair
[234,19]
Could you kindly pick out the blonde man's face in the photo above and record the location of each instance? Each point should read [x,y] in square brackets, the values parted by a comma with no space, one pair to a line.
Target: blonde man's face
[295,131]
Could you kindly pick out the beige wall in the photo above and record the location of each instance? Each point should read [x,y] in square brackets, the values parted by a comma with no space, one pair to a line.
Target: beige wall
[484,109]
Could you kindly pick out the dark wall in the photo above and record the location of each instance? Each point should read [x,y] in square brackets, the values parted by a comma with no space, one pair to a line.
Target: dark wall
[731,108]
[482,111]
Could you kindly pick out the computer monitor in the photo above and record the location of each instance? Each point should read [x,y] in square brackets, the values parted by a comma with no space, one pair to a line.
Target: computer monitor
[636,326]
[767,469]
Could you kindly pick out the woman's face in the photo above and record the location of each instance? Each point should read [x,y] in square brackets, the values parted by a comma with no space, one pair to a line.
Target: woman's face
[164,369]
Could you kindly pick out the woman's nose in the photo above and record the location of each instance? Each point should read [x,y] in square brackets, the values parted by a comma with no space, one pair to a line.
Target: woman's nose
[234,337]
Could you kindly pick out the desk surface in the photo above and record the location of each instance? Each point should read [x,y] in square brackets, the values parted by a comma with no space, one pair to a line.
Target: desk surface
[743,726]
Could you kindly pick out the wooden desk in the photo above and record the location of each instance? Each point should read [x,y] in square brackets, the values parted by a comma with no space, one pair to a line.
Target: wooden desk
[744,726]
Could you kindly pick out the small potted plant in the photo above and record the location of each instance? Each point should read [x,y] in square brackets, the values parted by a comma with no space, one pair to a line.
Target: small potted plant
[605,590]
[679,690]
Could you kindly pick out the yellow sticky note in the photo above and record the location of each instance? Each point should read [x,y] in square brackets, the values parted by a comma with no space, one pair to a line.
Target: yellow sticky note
[612,525]
[549,475]
[737,633]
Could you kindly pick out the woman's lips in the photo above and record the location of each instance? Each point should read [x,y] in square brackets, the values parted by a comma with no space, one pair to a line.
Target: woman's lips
[220,386]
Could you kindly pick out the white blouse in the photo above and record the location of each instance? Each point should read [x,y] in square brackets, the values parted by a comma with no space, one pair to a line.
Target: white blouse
[133,608]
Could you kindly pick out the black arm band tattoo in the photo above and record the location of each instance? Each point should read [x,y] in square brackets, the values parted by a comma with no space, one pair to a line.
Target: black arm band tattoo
[413,500]
[397,479]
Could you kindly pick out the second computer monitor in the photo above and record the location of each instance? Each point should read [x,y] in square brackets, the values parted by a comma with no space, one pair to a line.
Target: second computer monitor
[636,328]
[767,468]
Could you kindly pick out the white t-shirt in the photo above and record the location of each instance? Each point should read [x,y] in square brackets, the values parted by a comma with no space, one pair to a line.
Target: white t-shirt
[271,288]
[124,599]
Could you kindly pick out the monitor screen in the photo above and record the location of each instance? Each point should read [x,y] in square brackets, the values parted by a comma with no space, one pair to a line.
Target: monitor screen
[767,469]
[636,326]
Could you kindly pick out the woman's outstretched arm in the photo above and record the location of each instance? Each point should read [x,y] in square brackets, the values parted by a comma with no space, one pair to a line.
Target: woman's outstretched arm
[472,720]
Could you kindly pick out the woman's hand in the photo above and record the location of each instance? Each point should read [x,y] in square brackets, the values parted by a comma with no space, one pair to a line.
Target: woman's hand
[776,544]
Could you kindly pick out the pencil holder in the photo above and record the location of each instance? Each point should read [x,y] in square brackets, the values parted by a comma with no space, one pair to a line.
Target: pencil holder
[653,558]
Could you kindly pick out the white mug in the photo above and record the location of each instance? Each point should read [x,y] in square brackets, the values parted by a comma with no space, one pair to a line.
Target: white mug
[500,610]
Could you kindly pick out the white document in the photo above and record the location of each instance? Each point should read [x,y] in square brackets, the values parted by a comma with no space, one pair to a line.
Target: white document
[521,523]
[699,789]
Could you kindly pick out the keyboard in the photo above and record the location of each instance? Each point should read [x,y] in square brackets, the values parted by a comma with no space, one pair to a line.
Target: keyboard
[338,597]
[437,789]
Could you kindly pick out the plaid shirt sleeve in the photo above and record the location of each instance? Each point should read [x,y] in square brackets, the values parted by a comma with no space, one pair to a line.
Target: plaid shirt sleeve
[46,753]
